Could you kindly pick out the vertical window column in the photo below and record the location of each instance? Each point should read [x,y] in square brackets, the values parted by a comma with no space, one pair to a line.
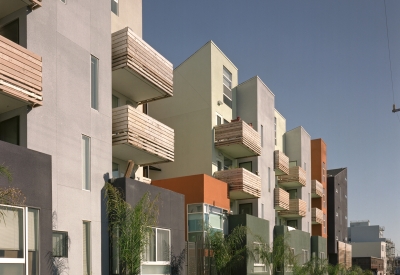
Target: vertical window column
[86,249]
[94,82]
[85,162]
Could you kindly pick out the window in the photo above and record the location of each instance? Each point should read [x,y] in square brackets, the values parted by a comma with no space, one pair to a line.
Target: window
[85,162]
[86,249]
[305,256]
[305,166]
[246,208]
[292,193]
[269,179]
[9,130]
[258,264]
[219,165]
[309,202]
[19,236]
[292,223]
[246,165]
[64,1]
[322,255]
[157,256]
[227,164]
[262,136]
[227,80]
[11,31]
[115,101]
[262,211]
[94,82]
[114,6]
[275,129]
[60,244]
[219,120]
[115,170]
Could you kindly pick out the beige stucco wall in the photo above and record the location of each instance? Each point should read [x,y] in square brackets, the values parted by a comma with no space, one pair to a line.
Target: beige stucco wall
[130,15]
[280,131]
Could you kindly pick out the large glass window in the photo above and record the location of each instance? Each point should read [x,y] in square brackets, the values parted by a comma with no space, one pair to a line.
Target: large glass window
[11,31]
[85,162]
[157,252]
[94,82]
[9,130]
[246,165]
[19,240]
[246,208]
[86,249]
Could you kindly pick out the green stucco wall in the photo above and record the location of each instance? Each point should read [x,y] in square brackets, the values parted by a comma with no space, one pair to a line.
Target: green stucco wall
[318,245]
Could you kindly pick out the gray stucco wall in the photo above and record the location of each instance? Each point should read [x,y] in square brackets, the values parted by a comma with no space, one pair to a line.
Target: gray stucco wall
[318,245]
[171,208]
[364,233]
[31,172]
[256,104]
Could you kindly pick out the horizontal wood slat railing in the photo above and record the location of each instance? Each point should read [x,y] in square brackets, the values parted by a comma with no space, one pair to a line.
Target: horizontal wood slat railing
[296,174]
[238,132]
[317,188]
[317,216]
[137,129]
[240,179]
[281,199]
[35,4]
[20,72]
[129,50]
[297,207]
[281,163]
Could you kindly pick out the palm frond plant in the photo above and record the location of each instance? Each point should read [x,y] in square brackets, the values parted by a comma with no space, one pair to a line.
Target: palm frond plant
[130,228]
[315,266]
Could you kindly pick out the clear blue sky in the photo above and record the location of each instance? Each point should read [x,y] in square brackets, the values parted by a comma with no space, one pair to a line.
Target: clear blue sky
[327,64]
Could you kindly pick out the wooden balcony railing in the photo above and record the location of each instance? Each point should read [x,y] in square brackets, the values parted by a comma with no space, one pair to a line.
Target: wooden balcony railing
[317,216]
[297,178]
[317,189]
[141,138]
[243,184]
[237,139]
[281,163]
[20,75]
[281,199]
[139,72]
[297,208]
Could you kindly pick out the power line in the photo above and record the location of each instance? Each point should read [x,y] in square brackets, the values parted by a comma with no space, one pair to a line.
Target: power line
[390,62]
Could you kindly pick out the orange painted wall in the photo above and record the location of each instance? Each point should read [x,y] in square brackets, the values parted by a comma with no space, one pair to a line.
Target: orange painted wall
[198,189]
[318,156]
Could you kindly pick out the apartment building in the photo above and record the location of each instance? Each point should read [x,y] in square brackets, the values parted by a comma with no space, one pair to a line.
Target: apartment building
[368,241]
[319,197]
[339,250]
[70,87]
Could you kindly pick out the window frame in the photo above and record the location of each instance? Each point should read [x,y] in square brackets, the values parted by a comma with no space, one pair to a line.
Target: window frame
[117,5]
[88,246]
[65,244]
[156,262]
[86,177]
[94,92]
[258,264]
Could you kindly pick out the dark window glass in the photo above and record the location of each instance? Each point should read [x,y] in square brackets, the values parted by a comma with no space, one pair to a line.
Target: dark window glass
[115,101]
[11,31]
[114,6]
[292,223]
[227,101]
[246,208]
[246,165]
[9,130]
[292,193]
[60,244]
[94,82]
[227,164]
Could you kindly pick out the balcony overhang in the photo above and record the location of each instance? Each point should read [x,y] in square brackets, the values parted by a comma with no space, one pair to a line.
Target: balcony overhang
[10,6]
[141,138]
[237,139]
[281,163]
[317,189]
[281,199]
[297,177]
[138,71]
[20,76]
[297,209]
[243,184]
[317,216]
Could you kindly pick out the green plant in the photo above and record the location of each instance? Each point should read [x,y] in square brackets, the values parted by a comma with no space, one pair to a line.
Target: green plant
[5,172]
[130,227]
[10,195]
[315,266]
[227,252]
[276,255]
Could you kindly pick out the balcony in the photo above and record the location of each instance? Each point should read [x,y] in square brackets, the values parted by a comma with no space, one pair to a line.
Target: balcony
[20,76]
[139,137]
[138,71]
[317,216]
[281,163]
[297,178]
[281,199]
[243,184]
[237,139]
[317,189]
[297,209]
[10,6]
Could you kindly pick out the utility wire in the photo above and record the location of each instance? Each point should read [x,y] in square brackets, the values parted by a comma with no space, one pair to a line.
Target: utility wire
[390,58]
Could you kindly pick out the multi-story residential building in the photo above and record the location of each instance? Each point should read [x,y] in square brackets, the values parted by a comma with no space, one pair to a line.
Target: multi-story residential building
[319,197]
[368,241]
[88,72]
[339,250]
